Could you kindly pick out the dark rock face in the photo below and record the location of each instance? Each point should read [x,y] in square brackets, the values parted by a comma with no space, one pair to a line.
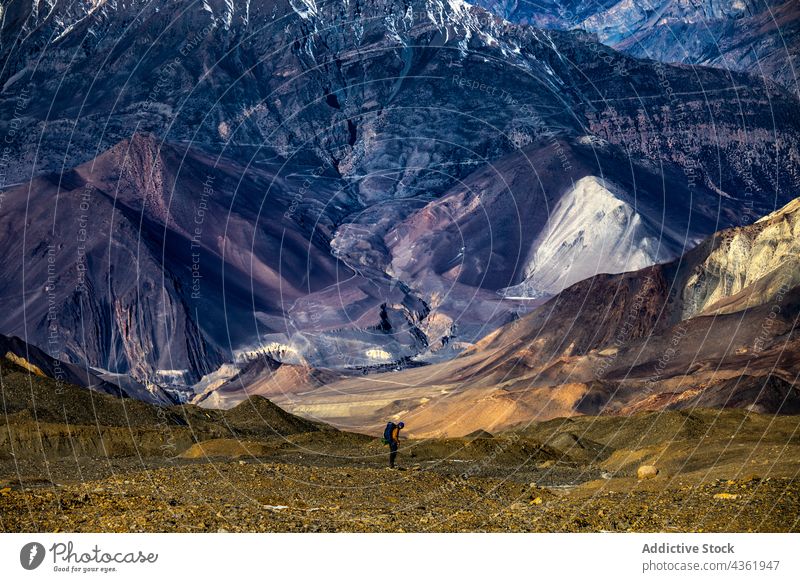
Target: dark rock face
[345,185]
[124,278]
[758,36]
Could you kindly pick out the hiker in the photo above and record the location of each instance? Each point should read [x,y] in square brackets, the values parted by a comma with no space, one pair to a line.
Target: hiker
[391,436]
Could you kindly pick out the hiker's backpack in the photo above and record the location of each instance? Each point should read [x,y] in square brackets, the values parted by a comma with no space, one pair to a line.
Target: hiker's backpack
[387,432]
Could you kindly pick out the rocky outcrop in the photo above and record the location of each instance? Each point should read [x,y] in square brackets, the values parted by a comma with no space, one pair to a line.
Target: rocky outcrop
[746,266]
[647,472]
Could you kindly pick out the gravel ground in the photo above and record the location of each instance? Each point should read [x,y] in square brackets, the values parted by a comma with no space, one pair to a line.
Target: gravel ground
[252,496]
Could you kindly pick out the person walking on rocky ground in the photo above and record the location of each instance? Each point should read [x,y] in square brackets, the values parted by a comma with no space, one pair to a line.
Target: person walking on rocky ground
[391,436]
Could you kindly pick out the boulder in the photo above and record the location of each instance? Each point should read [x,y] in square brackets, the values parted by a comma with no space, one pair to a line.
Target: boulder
[647,472]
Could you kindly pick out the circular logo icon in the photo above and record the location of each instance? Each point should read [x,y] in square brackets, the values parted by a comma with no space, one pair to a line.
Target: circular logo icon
[31,555]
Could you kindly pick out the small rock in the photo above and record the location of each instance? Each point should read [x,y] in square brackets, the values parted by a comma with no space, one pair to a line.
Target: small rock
[537,501]
[647,472]
[726,496]
[242,462]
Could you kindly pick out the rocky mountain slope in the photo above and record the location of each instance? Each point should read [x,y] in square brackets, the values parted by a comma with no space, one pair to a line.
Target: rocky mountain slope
[76,460]
[263,377]
[45,419]
[353,186]
[758,36]
[717,327]
[39,363]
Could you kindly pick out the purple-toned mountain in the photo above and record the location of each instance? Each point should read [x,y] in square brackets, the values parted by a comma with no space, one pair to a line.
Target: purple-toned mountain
[354,185]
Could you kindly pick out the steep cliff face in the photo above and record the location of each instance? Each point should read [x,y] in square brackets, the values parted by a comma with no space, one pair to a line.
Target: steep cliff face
[324,86]
[126,258]
[759,37]
[626,19]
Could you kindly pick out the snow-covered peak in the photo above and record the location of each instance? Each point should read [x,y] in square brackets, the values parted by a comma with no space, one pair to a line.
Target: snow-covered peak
[61,17]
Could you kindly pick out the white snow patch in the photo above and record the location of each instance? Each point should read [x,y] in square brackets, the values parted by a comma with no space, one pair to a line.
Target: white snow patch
[306,9]
[228,14]
[592,230]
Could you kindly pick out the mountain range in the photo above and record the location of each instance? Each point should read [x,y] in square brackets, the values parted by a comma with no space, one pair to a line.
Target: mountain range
[199,197]
[716,328]
[757,36]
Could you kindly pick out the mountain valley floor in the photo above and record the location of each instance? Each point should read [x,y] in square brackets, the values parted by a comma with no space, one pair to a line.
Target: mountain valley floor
[723,471]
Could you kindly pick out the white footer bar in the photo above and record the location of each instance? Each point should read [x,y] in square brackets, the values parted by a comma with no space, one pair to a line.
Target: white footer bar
[414,557]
